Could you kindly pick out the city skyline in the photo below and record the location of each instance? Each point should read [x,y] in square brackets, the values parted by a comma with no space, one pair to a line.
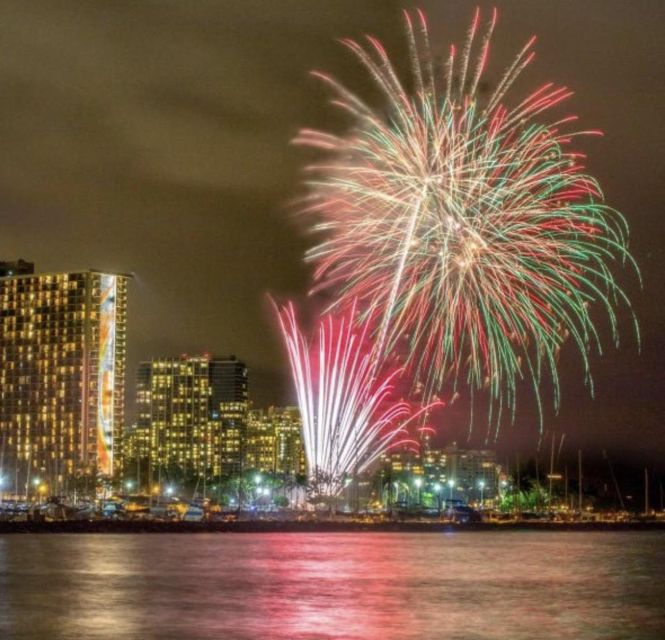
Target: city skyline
[332,319]
[232,424]
[189,279]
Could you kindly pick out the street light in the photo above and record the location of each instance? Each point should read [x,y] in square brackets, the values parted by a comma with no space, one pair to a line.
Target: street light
[40,488]
[451,484]
[169,491]
[481,484]
[259,489]
[418,482]
[437,490]
[129,485]
[35,484]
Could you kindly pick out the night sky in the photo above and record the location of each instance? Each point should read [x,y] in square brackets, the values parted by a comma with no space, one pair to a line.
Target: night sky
[153,137]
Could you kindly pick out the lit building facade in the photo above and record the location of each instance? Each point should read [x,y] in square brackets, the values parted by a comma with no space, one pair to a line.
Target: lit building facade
[231,430]
[289,447]
[474,473]
[62,374]
[192,413]
[173,396]
[133,447]
[230,405]
[470,469]
[260,442]
[274,441]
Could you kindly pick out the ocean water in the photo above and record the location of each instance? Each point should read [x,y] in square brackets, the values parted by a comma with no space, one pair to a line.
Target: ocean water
[370,586]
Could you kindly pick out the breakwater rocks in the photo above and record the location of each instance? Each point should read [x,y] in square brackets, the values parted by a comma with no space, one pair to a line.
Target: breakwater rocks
[311,526]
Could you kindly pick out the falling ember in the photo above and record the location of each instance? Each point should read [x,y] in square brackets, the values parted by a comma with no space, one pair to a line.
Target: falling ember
[348,416]
[465,229]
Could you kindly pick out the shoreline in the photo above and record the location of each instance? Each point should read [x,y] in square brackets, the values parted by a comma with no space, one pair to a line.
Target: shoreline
[277,526]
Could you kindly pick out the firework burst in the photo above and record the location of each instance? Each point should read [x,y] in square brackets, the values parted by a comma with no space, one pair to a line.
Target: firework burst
[467,230]
[347,414]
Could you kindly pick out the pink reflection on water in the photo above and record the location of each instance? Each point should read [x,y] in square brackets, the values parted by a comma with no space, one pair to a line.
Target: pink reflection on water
[460,586]
[341,586]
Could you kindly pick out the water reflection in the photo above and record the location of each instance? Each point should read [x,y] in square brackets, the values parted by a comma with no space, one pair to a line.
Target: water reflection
[510,585]
[335,586]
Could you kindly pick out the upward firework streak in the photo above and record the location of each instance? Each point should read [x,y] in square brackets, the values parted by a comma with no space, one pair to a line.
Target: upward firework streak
[466,229]
[348,419]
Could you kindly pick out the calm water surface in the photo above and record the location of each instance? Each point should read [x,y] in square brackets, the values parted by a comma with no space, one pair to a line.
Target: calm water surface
[508,585]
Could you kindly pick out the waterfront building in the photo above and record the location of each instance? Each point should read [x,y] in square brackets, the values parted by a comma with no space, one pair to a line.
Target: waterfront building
[474,473]
[132,446]
[232,434]
[62,374]
[192,414]
[260,442]
[274,441]
[173,412]
[289,446]
[230,404]
[228,380]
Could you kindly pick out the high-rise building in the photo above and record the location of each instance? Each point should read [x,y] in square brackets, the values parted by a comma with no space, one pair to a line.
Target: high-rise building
[289,447]
[62,374]
[229,401]
[260,442]
[192,412]
[274,441]
[228,380]
[173,401]
[232,436]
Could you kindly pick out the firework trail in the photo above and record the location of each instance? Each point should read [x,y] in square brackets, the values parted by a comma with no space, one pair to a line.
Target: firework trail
[467,230]
[347,414]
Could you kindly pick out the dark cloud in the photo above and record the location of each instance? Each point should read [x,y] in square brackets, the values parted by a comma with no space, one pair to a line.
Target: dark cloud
[154,137]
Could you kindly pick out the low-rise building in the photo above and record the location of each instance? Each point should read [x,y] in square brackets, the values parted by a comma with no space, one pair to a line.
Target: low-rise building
[468,475]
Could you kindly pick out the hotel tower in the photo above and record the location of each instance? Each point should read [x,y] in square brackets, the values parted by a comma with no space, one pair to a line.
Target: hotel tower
[192,413]
[62,374]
